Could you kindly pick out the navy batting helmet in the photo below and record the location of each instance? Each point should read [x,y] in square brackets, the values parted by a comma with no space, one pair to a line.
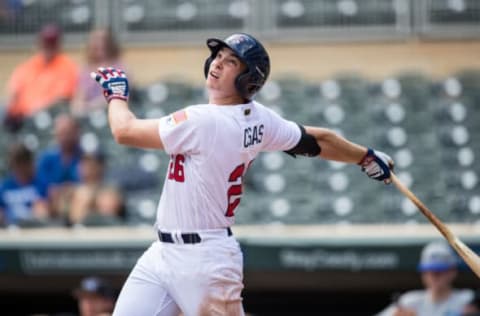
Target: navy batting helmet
[252,53]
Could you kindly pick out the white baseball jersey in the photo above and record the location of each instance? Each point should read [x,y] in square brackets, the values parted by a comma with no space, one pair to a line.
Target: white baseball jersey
[211,148]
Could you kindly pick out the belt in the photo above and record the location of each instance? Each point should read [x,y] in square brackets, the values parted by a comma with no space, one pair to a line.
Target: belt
[187,238]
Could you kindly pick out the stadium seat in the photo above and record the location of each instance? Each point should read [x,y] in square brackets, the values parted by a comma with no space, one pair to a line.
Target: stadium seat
[470,81]
[331,13]
[97,220]
[40,223]
[147,15]
[164,97]
[134,169]
[444,12]
[72,16]
[141,206]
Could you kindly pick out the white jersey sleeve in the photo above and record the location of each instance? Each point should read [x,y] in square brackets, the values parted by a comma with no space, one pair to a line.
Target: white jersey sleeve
[182,132]
[283,134]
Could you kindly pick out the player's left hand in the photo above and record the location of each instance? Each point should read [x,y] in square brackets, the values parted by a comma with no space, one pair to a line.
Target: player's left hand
[377,165]
[113,81]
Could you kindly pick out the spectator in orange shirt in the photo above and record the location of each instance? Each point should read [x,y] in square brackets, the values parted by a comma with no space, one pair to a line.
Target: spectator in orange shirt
[45,78]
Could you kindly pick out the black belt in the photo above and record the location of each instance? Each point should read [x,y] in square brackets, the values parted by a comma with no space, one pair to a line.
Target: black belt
[188,238]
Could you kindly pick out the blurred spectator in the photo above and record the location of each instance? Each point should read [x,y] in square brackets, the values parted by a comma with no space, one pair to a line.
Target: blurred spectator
[58,166]
[47,77]
[438,268]
[95,296]
[109,208]
[93,201]
[102,50]
[22,198]
[9,10]
[473,307]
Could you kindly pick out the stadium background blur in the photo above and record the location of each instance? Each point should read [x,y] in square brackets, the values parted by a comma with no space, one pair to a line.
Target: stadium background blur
[402,76]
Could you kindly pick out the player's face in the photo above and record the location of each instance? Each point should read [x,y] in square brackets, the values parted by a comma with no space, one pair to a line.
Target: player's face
[224,69]
[438,281]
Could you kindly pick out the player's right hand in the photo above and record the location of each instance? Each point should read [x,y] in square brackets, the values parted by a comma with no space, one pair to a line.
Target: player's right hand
[113,81]
[377,165]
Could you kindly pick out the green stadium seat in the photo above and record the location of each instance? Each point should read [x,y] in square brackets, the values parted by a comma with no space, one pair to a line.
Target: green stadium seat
[40,223]
[168,15]
[30,16]
[98,220]
[134,169]
[334,13]
[141,206]
[444,12]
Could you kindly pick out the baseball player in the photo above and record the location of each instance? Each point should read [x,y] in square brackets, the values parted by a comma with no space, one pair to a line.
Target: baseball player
[196,266]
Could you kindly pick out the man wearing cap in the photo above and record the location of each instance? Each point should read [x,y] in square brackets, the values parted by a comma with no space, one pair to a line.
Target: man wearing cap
[95,297]
[45,78]
[438,268]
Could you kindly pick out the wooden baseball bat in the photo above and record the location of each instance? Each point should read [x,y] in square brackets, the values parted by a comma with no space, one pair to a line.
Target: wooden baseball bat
[470,257]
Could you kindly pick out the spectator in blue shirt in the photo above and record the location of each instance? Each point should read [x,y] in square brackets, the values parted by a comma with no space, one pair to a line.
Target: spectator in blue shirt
[22,198]
[58,166]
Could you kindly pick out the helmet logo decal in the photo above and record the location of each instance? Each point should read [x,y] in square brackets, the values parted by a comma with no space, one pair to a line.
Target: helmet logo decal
[213,44]
[241,42]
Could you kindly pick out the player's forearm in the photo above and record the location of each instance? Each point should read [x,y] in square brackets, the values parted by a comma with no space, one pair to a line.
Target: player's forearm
[120,118]
[126,128]
[129,130]
[336,147]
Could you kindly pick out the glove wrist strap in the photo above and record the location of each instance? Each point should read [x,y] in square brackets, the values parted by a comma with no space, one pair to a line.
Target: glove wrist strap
[118,97]
[367,158]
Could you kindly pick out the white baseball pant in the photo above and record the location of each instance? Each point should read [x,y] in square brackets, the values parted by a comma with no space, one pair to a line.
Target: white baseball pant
[205,278]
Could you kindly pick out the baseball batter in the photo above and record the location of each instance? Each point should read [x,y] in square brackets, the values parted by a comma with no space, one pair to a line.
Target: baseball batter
[195,267]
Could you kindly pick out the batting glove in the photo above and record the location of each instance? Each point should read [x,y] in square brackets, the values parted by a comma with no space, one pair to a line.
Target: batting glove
[377,165]
[113,81]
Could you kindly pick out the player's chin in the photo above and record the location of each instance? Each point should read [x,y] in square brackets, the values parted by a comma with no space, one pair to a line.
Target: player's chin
[209,82]
[212,84]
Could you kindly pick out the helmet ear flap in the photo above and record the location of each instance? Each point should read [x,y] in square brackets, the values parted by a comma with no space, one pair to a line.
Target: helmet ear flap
[246,86]
[206,67]
[241,83]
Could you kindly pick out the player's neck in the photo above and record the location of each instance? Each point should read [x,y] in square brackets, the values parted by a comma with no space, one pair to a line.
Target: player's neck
[226,100]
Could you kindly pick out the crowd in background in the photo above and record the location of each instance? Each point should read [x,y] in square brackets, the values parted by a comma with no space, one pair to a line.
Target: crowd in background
[63,184]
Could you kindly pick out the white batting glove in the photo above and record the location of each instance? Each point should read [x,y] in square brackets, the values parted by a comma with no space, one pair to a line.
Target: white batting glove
[377,165]
[113,81]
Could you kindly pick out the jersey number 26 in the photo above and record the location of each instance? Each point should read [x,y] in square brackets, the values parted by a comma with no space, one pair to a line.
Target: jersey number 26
[234,192]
